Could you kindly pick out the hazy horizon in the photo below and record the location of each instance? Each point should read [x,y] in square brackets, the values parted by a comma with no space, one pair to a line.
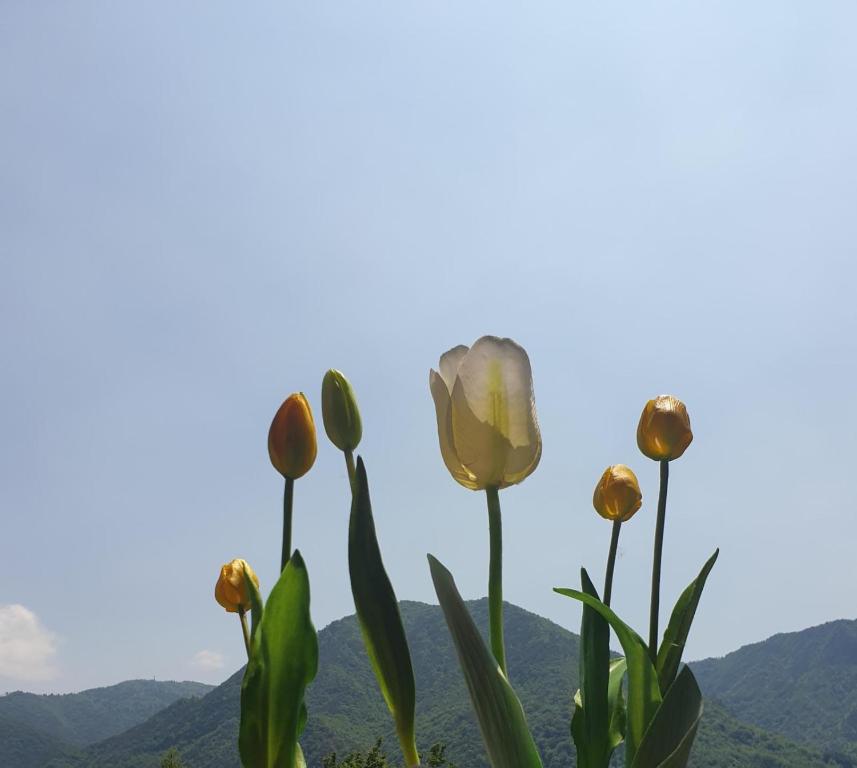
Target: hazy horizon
[205,206]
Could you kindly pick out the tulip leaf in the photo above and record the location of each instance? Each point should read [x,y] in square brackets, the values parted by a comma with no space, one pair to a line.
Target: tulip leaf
[591,719]
[644,695]
[499,712]
[616,703]
[616,707]
[669,738]
[675,637]
[379,618]
[256,606]
[283,661]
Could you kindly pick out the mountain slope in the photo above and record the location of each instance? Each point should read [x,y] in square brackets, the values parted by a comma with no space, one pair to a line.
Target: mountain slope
[24,747]
[89,716]
[800,684]
[347,712]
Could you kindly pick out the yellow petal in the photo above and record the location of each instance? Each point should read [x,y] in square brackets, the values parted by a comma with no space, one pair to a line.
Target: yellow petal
[617,495]
[664,433]
[443,411]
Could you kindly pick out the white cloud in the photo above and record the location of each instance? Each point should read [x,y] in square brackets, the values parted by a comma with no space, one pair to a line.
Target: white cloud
[208,660]
[27,649]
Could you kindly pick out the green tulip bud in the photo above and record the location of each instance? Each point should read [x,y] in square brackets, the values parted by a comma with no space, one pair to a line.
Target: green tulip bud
[340,412]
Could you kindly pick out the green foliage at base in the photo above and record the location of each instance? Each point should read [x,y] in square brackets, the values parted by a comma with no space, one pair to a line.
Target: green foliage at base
[376,758]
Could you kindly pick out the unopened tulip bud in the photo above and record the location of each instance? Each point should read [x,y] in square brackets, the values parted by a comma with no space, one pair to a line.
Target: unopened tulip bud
[664,430]
[617,495]
[339,411]
[291,439]
[231,588]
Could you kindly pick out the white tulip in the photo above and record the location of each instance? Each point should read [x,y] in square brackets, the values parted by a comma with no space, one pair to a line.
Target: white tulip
[486,413]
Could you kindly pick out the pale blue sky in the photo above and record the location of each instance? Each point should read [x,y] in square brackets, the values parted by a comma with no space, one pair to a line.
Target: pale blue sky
[205,205]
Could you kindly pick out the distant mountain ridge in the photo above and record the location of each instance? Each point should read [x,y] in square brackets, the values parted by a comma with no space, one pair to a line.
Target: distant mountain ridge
[800,684]
[347,712]
[35,727]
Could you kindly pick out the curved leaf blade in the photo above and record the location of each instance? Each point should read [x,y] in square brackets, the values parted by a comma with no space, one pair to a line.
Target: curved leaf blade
[644,695]
[675,637]
[669,738]
[499,712]
[379,618]
[283,661]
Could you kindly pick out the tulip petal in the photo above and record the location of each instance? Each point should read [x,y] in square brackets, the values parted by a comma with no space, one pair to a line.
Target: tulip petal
[498,384]
[449,362]
[494,428]
[443,410]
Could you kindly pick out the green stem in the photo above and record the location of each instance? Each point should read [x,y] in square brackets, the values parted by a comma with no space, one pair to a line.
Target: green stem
[349,463]
[495,578]
[242,615]
[656,564]
[611,561]
[288,497]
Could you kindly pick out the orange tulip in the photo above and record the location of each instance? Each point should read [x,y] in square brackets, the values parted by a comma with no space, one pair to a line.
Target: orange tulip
[291,440]
[617,495]
[664,430]
[231,588]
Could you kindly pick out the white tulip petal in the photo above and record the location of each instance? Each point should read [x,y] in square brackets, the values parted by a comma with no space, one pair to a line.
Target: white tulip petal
[449,362]
[480,447]
[497,384]
[443,410]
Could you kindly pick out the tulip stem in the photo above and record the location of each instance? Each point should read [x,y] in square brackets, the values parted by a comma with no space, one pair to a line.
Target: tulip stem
[349,463]
[242,614]
[611,561]
[656,564]
[288,497]
[495,578]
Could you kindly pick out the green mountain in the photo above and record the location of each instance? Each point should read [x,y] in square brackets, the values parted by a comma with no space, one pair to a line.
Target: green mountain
[346,711]
[25,747]
[34,728]
[800,684]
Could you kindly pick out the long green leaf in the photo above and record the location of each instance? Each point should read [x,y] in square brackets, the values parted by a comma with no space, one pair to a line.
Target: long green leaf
[644,695]
[501,718]
[675,637]
[283,661]
[616,704]
[379,617]
[616,708]
[591,720]
[669,738]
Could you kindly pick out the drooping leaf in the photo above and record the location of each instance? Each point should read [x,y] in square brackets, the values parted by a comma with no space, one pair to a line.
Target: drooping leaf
[675,637]
[379,618]
[499,712]
[644,696]
[669,738]
[283,661]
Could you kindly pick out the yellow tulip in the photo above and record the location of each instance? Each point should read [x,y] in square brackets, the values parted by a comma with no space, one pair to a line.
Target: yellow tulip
[617,495]
[664,430]
[339,411]
[486,414]
[291,440]
[231,589]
